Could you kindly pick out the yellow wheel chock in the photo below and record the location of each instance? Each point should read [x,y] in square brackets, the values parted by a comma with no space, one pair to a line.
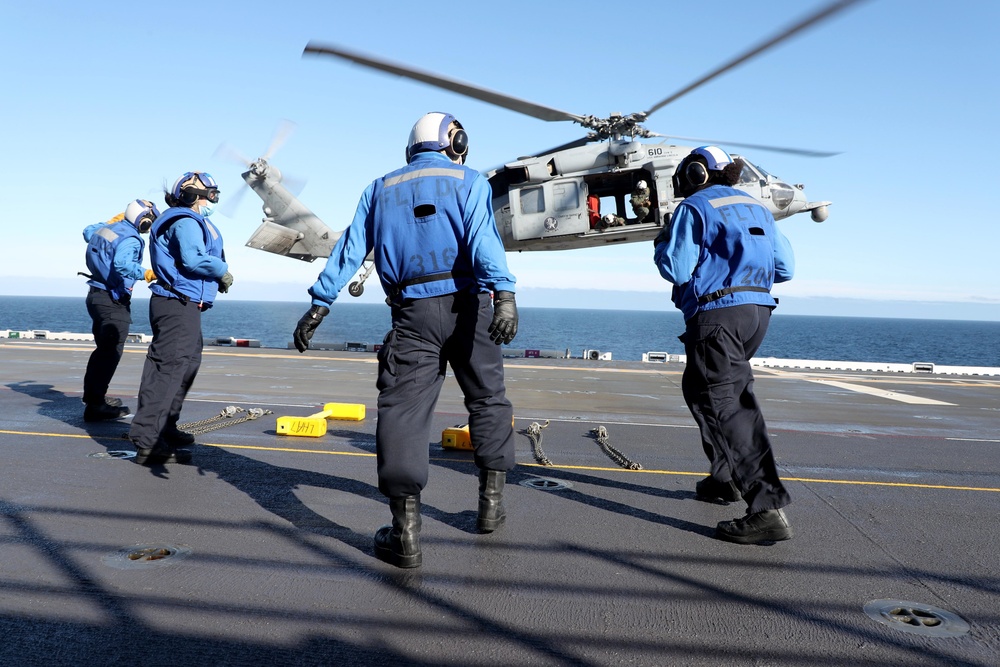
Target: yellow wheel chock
[314,426]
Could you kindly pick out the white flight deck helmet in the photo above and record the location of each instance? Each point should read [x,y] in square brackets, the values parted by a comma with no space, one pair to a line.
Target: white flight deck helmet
[691,175]
[141,214]
[430,133]
[716,158]
[641,185]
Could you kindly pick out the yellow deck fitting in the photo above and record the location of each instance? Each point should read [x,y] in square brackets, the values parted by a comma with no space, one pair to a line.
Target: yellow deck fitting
[456,438]
[314,426]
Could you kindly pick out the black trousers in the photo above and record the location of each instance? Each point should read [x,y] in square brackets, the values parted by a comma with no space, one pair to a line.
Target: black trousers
[427,335]
[718,389]
[171,366]
[111,323]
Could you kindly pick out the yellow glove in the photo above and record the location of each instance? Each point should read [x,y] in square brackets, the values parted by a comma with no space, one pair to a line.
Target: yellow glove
[117,218]
[150,276]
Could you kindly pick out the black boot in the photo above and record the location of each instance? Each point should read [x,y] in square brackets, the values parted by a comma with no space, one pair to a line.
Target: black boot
[763,526]
[491,510]
[711,490]
[399,544]
[96,412]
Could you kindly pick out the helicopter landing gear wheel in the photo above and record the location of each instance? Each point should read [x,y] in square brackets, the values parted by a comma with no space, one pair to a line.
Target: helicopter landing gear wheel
[356,289]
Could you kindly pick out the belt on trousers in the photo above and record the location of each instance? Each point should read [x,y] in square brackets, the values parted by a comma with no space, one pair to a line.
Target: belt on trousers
[718,294]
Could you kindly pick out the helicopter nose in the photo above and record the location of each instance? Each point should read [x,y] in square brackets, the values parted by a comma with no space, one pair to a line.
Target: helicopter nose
[794,198]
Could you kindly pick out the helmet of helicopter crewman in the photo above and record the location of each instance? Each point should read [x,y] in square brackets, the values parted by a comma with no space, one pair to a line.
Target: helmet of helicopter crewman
[439,132]
[641,185]
[141,214]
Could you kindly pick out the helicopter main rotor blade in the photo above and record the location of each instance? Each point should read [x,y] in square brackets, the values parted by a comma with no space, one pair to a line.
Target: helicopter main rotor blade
[285,129]
[227,152]
[583,141]
[499,99]
[806,152]
[824,13]
[228,208]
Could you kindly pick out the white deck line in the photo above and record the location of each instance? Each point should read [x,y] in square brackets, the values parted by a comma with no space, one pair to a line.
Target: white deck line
[881,393]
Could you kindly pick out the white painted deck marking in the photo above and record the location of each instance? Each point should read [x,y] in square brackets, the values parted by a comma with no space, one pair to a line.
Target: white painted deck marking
[881,393]
[860,388]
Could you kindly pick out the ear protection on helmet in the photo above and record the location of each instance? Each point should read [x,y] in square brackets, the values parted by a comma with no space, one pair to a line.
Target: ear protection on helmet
[142,213]
[188,197]
[459,146]
[689,176]
[696,174]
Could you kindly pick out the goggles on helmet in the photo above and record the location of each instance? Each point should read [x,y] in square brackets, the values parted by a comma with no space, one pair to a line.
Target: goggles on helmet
[199,183]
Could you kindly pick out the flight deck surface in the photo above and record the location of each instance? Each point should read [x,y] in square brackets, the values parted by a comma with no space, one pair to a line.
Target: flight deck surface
[260,552]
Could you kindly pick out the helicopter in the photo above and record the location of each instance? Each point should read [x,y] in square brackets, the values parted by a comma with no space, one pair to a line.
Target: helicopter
[575,195]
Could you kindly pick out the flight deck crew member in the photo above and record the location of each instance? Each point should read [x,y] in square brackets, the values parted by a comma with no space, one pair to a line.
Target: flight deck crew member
[438,254]
[723,251]
[187,256]
[114,259]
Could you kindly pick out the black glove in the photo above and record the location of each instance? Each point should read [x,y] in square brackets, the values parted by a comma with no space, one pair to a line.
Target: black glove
[225,282]
[307,325]
[503,328]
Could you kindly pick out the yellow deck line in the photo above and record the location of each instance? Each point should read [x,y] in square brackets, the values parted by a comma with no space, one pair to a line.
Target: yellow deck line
[327,452]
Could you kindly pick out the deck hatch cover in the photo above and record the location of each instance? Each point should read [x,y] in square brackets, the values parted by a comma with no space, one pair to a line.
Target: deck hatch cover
[545,484]
[916,618]
[113,454]
[141,556]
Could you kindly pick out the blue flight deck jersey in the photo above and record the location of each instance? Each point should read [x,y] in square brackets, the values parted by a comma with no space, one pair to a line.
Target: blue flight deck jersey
[187,255]
[724,249]
[114,256]
[432,230]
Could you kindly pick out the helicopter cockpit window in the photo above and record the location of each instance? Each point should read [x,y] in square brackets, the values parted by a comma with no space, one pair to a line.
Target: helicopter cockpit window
[748,175]
[532,200]
[565,196]
[782,195]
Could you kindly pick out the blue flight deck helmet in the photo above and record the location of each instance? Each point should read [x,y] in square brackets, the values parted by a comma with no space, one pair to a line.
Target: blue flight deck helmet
[431,133]
[141,214]
[194,184]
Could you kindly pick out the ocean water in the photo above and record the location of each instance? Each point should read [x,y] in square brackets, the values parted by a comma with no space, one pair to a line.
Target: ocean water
[626,334]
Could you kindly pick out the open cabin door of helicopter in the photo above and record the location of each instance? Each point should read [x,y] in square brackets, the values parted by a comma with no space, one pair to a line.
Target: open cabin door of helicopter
[578,206]
[554,208]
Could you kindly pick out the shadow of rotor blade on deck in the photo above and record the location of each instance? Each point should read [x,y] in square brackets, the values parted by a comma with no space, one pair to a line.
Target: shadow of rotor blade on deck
[133,612]
[522,473]
[123,636]
[273,487]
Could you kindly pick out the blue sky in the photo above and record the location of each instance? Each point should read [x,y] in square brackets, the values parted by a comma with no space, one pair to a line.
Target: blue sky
[106,102]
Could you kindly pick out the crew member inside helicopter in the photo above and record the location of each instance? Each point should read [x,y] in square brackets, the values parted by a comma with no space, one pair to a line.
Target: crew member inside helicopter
[722,252]
[640,201]
[114,259]
[439,256]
